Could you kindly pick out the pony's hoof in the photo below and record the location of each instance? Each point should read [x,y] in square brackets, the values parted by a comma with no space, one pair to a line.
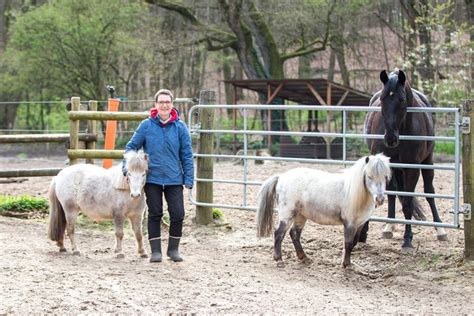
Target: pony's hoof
[76,253]
[120,255]
[143,255]
[442,237]
[62,250]
[280,264]
[387,235]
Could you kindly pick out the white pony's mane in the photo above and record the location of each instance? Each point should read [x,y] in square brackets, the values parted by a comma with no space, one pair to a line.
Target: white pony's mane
[134,161]
[356,192]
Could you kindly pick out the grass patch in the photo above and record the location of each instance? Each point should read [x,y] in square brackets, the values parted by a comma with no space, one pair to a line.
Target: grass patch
[23,206]
[217,214]
[444,148]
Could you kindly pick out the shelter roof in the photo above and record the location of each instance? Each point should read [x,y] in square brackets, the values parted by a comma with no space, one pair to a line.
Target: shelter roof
[305,91]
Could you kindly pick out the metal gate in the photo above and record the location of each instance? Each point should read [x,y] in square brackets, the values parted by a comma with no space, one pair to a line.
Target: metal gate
[195,128]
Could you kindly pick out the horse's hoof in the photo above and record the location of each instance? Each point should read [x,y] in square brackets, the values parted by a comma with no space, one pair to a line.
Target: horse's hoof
[143,255]
[76,253]
[387,235]
[443,237]
[280,264]
[306,260]
[120,255]
[62,250]
[407,248]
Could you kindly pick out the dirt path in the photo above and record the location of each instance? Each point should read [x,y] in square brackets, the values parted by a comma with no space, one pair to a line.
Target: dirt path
[228,270]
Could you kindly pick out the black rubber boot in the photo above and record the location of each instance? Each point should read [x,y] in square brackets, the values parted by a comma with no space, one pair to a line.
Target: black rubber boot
[155,245]
[173,252]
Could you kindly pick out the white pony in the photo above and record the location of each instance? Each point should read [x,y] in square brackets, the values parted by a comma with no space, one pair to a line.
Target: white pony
[347,198]
[100,194]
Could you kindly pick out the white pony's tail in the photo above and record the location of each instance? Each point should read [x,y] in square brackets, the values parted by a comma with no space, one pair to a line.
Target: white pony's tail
[57,219]
[266,202]
[119,181]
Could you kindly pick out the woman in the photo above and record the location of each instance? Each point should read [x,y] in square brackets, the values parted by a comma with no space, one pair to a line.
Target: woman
[166,140]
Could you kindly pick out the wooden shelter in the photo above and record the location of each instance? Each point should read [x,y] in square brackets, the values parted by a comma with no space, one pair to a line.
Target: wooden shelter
[304,92]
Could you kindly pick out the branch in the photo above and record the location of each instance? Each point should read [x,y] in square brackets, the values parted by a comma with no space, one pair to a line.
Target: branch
[186,14]
[181,10]
[308,49]
[390,27]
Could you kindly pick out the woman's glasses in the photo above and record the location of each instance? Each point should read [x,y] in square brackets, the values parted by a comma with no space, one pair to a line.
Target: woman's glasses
[163,103]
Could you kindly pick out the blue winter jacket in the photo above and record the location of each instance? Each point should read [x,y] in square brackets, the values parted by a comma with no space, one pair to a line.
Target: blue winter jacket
[170,155]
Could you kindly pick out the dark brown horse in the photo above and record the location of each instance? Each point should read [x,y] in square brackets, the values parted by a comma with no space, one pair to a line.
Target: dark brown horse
[393,121]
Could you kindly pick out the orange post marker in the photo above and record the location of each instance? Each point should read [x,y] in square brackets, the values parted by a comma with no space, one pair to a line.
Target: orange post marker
[110,131]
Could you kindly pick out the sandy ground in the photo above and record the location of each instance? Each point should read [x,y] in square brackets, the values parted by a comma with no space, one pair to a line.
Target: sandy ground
[227,269]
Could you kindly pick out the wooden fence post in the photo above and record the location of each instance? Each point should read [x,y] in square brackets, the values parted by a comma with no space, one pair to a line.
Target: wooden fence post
[467,170]
[205,167]
[92,128]
[74,129]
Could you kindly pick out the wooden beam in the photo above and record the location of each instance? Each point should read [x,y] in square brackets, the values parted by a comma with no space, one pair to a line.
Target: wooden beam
[101,115]
[316,94]
[329,95]
[42,172]
[95,154]
[74,128]
[273,95]
[205,165]
[343,97]
[43,138]
[467,181]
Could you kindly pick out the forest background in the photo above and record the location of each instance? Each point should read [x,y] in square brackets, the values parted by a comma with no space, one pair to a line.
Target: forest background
[53,50]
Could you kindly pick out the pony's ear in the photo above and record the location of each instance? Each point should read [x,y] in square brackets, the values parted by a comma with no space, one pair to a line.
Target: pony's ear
[367,159]
[384,76]
[401,77]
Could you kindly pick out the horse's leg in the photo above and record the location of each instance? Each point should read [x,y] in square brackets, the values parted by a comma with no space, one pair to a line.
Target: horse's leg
[278,237]
[428,175]
[349,237]
[295,234]
[136,222]
[71,217]
[118,223]
[410,178]
[395,184]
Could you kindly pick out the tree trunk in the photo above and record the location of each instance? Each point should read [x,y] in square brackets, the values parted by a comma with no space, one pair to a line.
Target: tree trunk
[4,22]
[470,21]
[408,7]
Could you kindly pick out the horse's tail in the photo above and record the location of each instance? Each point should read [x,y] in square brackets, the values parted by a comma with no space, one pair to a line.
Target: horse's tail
[266,202]
[57,218]
[417,209]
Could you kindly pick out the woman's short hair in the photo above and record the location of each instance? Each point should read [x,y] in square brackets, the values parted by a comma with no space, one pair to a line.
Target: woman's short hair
[165,92]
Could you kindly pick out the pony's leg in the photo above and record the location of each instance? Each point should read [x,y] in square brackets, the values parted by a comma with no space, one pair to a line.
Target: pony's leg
[357,235]
[71,217]
[118,223]
[136,222]
[295,234]
[428,175]
[410,178]
[350,232]
[362,237]
[60,244]
[278,237]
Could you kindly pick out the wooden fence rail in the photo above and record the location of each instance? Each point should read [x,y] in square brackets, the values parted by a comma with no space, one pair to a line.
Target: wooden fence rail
[44,138]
